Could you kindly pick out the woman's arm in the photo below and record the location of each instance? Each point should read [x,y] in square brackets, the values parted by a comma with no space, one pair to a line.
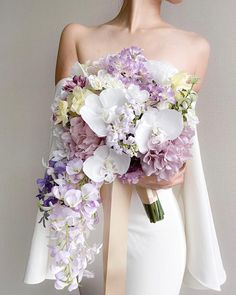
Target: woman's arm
[67,53]
[202,48]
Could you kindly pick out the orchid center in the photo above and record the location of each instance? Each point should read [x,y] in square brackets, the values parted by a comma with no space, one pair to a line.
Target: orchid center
[108,114]
[109,169]
[159,133]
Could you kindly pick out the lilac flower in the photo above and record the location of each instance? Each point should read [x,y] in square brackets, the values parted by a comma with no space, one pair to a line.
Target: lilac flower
[76,81]
[45,186]
[90,195]
[59,191]
[74,170]
[50,201]
[72,198]
[59,167]
[127,66]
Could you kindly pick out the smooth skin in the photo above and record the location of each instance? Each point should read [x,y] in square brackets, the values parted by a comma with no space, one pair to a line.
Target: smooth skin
[138,23]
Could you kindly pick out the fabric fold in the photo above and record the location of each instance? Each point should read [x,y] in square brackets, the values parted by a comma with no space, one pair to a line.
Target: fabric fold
[204,268]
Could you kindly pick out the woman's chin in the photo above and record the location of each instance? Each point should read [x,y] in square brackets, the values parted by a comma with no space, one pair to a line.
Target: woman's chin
[175,1]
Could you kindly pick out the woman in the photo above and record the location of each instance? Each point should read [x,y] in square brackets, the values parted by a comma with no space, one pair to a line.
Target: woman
[163,255]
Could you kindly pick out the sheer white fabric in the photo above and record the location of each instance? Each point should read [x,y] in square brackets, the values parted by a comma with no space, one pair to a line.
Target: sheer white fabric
[183,248]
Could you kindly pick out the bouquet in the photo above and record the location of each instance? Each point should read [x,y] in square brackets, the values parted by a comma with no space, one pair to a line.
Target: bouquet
[121,116]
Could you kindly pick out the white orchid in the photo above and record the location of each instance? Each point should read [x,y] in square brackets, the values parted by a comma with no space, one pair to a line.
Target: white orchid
[164,124]
[105,164]
[99,110]
[161,71]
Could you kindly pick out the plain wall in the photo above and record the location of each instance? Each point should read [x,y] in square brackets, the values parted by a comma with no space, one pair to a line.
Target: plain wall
[30,32]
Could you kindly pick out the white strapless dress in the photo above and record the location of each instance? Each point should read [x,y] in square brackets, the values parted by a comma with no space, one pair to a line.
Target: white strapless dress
[180,250]
[156,257]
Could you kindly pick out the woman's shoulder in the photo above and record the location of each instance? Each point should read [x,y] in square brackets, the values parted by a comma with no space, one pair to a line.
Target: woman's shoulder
[67,51]
[80,34]
[193,39]
[74,29]
[192,44]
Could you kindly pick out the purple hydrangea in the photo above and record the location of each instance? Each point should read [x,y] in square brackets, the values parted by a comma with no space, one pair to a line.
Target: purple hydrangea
[134,173]
[80,141]
[165,159]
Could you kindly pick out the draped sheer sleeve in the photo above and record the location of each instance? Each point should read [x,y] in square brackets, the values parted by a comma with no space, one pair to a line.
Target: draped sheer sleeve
[37,269]
[204,268]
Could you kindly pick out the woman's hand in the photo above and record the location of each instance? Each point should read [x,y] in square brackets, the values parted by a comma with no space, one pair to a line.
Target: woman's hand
[152,182]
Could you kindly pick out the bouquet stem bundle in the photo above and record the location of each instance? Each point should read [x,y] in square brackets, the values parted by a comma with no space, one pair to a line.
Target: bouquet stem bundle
[154,211]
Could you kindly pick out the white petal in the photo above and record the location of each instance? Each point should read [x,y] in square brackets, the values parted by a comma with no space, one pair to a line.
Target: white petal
[142,134]
[92,168]
[171,121]
[150,117]
[92,101]
[138,95]
[91,114]
[122,161]
[112,97]
[95,122]
[72,197]
[161,71]
[89,191]
[102,152]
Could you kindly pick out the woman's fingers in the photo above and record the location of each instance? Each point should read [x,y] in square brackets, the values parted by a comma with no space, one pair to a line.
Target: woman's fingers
[152,182]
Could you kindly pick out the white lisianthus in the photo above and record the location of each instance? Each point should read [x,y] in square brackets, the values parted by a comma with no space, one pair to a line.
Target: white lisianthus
[105,164]
[95,82]
[164,124]
[100,110]
[161,71]
[103,80]
[135,95]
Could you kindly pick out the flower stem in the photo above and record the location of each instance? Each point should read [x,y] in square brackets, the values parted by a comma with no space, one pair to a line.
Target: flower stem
[154,211]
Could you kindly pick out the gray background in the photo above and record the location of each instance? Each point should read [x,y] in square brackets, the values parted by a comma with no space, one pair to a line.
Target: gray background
[30,33]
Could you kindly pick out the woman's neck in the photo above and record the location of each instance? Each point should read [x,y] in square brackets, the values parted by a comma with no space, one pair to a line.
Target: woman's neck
[139,14]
